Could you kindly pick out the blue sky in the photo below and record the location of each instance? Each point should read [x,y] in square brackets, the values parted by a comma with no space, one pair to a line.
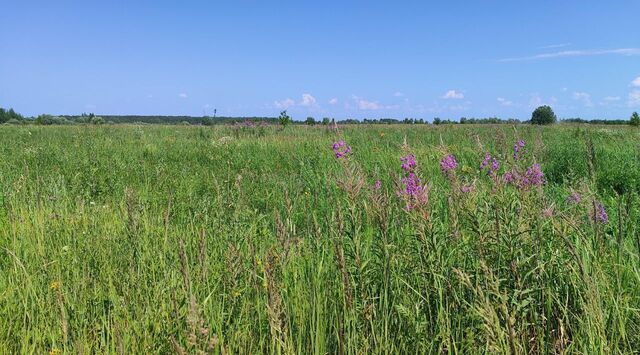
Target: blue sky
[343,59]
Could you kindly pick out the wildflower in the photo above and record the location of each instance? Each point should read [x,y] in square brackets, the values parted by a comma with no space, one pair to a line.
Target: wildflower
[408,162]
[340,149]
[574,198]
[599,213]
[448,163]
[55,285]
[411,183]
[55,351]
[534,176]
[377,185]
[518,148]
[509,177]
[495,165]
[413,192]
[493,168]
[547,212]
[485,162]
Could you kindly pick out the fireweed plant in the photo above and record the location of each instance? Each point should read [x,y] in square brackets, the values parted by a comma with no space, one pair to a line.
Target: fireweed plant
[413,192]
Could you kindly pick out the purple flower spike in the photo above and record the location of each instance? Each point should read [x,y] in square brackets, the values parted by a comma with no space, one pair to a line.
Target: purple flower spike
[518,148]
[493,168]
[599,213]
[574,198]
[534,175]
[448,163]
[377,185]
[485,162]
[341,149]
[408,163]
[412,192]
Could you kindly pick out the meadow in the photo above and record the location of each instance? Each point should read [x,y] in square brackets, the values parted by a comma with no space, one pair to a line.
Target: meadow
[309,240]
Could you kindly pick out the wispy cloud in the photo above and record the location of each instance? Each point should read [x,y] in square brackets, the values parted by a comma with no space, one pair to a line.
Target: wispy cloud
[636,82]
[452,94]
[398,94]
[333,101]
[284,104]
[363,104]
[634,98]
[308,100]
[560,45]
[182,95]
[577,53]
[612,98]
[583,97]
[504,102]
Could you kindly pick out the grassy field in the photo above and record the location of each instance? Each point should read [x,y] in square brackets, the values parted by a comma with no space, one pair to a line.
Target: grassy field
[166,239]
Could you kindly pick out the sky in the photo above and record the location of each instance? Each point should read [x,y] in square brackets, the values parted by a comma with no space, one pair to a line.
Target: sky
[342,59]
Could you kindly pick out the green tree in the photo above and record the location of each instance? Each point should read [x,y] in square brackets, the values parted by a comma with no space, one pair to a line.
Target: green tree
[543,115]
[44,119]
[310,121]
[97,120]
[635,120]
[326,121]
[284,119]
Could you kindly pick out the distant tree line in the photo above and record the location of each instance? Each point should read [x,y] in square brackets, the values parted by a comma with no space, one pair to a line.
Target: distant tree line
[542,115]
[595,121]
[10,116]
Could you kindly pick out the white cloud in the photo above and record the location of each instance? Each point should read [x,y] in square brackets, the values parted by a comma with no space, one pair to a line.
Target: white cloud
[504,102]
[368,105]
[612,98]
[308,100]
[634,98]
[333,101]
[555,46]
[636,82]
[182,95]
[363,104]
[577,53]
[452,94]
[284,104]
[583,97]
[398,94]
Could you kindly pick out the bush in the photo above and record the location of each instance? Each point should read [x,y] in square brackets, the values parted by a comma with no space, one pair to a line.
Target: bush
[543,115]
[635,119]
[284,119]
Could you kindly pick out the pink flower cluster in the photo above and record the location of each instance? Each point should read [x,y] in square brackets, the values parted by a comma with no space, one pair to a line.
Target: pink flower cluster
[493,168]
[518,149]
[448,163]
[341,149]
[413,192]
[532,177]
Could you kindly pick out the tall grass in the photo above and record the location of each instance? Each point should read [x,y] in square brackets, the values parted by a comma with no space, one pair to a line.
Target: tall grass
[150,239]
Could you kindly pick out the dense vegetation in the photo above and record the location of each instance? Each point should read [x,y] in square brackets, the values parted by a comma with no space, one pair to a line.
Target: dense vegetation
[11,117]
[256,239]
